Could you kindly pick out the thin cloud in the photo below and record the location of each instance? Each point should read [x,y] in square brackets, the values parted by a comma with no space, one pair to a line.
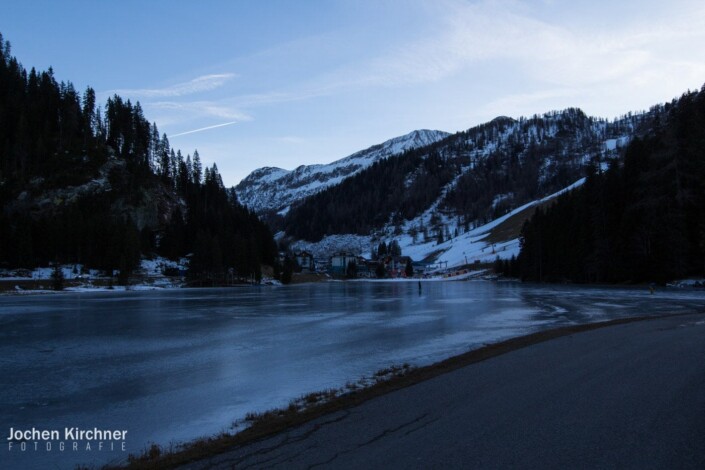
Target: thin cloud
[197,85]
[195,109]
[469,34]
[204,129]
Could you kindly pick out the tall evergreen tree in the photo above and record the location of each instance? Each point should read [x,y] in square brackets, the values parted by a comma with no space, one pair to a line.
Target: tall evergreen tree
[137,194]
[638,221]
[197,168]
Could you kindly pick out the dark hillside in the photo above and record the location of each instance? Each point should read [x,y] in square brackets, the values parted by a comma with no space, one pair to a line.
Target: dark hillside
[100,186]
[472,176]
[643,219]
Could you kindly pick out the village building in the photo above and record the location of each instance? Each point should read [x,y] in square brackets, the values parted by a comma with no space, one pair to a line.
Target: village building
[365,268]
[396,265]
[393,266]
[305,261]
[339,262]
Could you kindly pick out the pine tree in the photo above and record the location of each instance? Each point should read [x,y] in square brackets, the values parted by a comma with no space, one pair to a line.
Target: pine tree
[351,270]
[409,269]
[382,249]
[288,270]
[57,277]
[197,168]
[498,267]
[50,133]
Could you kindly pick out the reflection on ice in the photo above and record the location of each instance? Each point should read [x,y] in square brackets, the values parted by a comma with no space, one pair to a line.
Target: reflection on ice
[175,365]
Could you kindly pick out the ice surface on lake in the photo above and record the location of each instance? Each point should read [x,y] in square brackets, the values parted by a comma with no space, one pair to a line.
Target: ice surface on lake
[178,364]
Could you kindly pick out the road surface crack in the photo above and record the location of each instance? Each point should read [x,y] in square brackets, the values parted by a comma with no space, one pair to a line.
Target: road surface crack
[237,462]
[378,437]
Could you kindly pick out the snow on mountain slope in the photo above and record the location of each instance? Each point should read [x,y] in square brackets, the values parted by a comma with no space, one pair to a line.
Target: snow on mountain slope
[463,200]
[475,245]
[275,189]
[482,244]
[466,179]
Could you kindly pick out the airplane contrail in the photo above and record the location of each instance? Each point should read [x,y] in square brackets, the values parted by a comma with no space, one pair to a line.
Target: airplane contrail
[204,129]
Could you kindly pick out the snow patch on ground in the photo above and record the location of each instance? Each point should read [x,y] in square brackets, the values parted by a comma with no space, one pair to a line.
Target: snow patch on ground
[614,144]
[156,266]
[470,247]
[688,283]
[357,244]
[148,276]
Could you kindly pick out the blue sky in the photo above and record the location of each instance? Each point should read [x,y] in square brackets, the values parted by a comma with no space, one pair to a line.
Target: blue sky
[285,83]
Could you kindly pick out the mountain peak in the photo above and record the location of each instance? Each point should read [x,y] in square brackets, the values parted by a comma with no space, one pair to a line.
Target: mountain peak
[274,189]
[502,120]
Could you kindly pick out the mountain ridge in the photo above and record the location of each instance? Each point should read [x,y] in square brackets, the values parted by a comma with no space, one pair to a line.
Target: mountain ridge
[467,179]
[273,189]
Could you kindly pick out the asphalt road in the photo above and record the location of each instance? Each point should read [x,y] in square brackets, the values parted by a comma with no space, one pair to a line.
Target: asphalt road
[625,396]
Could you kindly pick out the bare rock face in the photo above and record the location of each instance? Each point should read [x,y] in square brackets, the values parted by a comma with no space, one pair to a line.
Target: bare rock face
[150,207]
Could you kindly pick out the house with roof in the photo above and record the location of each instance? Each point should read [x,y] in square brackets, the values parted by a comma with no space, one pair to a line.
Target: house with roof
[396,265]
[305,261]
[339,262]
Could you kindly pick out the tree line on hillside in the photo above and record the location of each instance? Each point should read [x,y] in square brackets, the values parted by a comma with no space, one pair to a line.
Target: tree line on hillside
[476,176]
[643,219]
[534,157]
[397,187]
[53,139]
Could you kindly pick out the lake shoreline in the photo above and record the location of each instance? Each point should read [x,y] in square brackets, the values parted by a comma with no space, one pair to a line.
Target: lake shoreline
[177,365]
[10,287]
[275,421]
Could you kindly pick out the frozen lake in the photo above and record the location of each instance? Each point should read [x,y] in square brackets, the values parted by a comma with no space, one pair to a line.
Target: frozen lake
[174,365]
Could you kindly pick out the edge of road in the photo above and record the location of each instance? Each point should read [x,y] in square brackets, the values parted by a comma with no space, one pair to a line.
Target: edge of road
[275,421]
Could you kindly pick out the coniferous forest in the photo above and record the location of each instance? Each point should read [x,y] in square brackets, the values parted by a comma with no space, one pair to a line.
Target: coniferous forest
[367,200]
[476,175]
[101,187]
[643,219]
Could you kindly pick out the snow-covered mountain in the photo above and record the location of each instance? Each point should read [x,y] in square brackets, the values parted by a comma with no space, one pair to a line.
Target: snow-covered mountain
[271,189]
[466,179]
[440,195]
[435,199]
